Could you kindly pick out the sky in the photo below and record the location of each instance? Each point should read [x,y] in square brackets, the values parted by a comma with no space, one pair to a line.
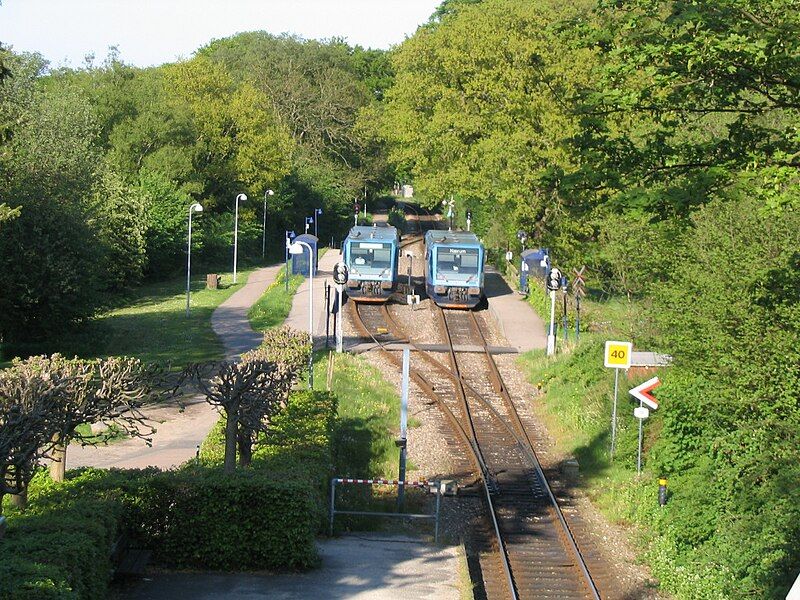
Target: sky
[152,32]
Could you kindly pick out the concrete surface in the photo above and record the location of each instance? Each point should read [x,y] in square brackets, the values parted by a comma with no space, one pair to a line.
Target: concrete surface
[179,431]
[369,567]
[298,316]
[518,322]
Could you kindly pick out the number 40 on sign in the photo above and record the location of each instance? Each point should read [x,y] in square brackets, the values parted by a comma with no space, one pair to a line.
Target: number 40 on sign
[618,355]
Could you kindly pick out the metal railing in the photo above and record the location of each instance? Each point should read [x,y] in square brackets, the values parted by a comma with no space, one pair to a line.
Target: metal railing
[429,485]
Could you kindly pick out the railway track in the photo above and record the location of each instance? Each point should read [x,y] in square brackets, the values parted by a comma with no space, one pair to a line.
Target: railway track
[535,553]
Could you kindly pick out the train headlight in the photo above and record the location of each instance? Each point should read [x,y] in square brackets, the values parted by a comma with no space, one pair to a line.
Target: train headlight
[474,291]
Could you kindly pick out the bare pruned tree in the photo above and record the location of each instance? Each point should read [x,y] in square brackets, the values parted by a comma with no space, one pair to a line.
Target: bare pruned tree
[44,399]
[249,392]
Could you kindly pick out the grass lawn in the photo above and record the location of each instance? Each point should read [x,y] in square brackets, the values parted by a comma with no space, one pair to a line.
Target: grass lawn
[369,417]
[274,306]
[151,324]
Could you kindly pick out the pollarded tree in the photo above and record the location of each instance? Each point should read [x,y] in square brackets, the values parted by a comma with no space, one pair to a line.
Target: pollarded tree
[43,400]
[245,391]
[110,390]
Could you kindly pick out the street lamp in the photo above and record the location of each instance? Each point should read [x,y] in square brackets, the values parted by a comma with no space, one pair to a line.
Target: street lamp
[236,233]
[297,248]
[196,207]
[317,213]
[264,226]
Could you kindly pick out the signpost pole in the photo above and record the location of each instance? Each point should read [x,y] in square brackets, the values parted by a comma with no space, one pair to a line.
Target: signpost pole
[564,318]
[577,317]
[402,442]
[339,336]
[614,414]
[639,458]
[551,337]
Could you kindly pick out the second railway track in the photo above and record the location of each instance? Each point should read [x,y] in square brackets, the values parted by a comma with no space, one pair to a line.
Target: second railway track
[536,555]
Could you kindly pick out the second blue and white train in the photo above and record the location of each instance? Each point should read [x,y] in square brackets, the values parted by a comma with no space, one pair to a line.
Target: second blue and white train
[454,268]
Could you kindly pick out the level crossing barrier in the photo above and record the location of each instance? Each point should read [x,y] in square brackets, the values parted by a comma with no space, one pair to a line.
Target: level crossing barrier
[434,486]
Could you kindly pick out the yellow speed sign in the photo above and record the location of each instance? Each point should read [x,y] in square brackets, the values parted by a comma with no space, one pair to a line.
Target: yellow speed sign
[618,355]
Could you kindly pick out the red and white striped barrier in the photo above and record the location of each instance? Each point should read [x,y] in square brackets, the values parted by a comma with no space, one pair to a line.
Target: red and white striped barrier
[421,483]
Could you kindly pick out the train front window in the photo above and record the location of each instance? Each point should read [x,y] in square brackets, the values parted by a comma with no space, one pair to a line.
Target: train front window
[370,258]
[458,264]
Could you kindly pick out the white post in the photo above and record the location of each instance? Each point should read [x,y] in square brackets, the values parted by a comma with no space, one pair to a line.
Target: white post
[195,207]
[310,313]
[339,333]
[264,228]
[189,264]
[236,233]
[639,458]
[614,414]
[551,337]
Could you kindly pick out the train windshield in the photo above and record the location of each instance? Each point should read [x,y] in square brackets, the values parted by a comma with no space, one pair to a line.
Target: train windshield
[458,264]
[371,258]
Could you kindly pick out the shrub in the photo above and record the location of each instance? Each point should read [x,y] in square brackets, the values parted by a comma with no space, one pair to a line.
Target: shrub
[60,548]
[397,219]
[203,518]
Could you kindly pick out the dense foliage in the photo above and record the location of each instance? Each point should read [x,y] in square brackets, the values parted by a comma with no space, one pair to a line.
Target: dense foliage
[265,517]
[656,142]
[93,206]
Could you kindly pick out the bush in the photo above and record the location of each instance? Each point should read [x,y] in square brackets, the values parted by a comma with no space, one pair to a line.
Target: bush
[263,517]
[202,518]
[60,548]
[397,219]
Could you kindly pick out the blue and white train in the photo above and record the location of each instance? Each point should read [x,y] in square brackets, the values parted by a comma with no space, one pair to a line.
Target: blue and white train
[454,265]
[371,255]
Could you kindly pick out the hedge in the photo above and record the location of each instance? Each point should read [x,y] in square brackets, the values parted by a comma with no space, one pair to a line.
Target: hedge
[263,517]
[59,550]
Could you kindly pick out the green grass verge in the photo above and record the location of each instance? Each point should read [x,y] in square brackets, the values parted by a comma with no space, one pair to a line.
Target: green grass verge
[151,324]
[274,306]
[576,404]
[368,417]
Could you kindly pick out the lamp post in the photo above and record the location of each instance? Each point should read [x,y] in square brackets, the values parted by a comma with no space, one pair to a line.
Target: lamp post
[236,233]
[317,213]
[264,225]
[196,207]
[297,248]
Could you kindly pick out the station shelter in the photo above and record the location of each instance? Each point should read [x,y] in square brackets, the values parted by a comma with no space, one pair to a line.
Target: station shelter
[534,263]
[300,261]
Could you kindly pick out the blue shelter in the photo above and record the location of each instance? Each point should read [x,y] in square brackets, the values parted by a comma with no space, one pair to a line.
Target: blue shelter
[300,261]
[534,262]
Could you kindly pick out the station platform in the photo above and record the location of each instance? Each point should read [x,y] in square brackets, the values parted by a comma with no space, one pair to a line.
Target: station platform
[298,316]
[516,320]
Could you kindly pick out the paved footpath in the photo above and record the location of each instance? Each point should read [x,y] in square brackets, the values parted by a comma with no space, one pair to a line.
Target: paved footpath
[298,316]
[518,322]
[368,567]
[179,432]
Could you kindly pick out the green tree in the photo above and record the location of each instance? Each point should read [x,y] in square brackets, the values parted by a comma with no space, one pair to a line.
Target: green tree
[49,255]
[480,110]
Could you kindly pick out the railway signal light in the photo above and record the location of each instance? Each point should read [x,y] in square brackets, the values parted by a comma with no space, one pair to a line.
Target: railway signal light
[554,279]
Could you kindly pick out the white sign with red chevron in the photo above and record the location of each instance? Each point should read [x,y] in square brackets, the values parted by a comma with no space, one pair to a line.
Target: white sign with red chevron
[642,392]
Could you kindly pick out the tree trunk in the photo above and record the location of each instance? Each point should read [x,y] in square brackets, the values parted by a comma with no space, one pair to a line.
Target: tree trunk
[58,467]
[230,441]
[20,500]
[245,448]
